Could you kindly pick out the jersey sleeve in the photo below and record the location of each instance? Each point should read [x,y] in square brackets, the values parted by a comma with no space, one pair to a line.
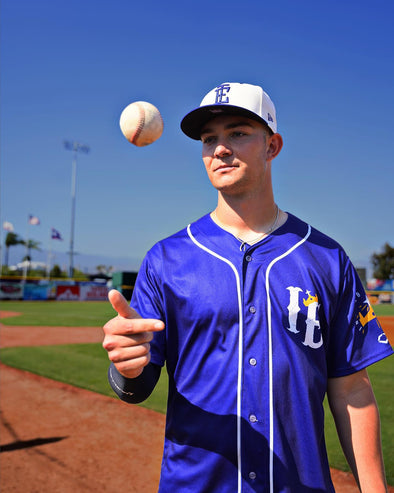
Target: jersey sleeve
[356,337]
[147,300]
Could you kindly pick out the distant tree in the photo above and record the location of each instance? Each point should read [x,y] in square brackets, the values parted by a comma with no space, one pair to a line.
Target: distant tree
[56,271]
[104,269]
[12,239]
[36,273]
[383,263]
[31,245]
[79,275]
[5,271]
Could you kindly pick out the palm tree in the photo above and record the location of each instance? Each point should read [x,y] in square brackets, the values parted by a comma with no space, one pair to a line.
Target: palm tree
[11,239]
[31,245]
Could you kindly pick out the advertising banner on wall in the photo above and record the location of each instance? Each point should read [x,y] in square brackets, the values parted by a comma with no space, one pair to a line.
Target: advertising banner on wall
[380,285]
[51,290]
[35,292]
[11,290]
[93,292]
[381,291]
[67,293]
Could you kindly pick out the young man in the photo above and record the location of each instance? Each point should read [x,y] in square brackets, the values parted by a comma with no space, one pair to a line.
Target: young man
[256,316]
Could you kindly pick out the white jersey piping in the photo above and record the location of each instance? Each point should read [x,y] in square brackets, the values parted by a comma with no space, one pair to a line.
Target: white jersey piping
[270,376]
[240,350]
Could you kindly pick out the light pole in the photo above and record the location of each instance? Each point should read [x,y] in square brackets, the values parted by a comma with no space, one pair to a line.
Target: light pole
[75,147]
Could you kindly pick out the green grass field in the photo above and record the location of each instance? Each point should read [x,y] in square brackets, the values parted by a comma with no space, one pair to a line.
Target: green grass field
[86,365]
[59,313]
[81,365]
[80,314]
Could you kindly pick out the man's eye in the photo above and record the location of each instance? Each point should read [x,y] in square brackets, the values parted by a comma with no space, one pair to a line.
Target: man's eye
[238,134]
[208,140]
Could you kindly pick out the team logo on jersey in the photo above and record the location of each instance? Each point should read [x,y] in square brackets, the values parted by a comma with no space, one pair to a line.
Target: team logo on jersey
[366,315]
[221,94]
[313,336]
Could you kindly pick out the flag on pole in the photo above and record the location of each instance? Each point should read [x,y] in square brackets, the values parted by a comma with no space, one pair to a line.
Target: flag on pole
[34,220]
[55,234]
[8,226]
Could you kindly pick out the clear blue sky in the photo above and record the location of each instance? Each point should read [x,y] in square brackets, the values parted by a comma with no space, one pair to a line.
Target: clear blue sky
[68,68]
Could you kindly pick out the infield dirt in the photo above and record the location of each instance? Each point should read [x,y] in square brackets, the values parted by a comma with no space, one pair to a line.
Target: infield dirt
[60,439]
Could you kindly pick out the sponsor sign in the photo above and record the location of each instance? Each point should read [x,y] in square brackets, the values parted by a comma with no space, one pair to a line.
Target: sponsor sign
[35,292]
[67,293]
[91,292]
[11,290]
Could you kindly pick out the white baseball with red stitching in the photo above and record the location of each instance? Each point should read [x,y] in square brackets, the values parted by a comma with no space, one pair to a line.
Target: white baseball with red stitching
[141,123]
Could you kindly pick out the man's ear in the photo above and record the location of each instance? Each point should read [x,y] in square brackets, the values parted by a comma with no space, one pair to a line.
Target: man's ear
[274,146]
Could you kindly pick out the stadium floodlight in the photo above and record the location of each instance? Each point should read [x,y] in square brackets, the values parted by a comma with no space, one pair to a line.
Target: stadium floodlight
[75,147]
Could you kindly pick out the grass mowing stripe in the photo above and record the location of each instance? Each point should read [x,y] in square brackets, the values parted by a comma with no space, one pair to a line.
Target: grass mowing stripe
[83,314]
[81,365]
[59,313]
[384,309]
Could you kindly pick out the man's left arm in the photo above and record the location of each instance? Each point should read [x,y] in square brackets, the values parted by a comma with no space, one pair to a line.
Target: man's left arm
[356,415]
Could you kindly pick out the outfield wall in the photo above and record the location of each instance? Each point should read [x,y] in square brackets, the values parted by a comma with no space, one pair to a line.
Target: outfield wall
[70,290]
[380,291]
[53,290]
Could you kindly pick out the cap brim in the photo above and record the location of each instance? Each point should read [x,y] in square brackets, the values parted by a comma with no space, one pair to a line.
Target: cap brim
[193,122]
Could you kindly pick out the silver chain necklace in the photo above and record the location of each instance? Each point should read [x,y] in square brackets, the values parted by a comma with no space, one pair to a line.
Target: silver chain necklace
[261,236]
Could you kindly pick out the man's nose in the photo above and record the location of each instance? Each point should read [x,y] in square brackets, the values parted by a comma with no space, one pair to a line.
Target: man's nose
[222,150]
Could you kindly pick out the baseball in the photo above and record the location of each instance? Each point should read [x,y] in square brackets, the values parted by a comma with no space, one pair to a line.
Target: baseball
[141,123]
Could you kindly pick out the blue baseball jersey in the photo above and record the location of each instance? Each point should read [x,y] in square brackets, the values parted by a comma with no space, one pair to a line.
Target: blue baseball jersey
[251,338]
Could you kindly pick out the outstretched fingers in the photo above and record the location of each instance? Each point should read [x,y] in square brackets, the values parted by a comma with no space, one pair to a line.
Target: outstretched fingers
[120,305]
[127,337]
[128,320]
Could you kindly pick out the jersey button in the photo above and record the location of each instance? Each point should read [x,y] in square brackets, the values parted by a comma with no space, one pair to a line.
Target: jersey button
[252,309]
[248,258]
[252,475]
[252,418]
[253,361]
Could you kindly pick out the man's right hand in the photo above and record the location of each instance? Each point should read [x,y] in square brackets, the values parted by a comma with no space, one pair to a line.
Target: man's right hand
[127,337]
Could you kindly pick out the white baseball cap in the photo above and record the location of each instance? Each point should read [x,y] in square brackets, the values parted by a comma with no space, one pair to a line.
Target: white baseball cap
[231,98]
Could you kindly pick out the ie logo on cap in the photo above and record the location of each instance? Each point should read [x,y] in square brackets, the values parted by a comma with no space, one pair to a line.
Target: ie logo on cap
[221,92]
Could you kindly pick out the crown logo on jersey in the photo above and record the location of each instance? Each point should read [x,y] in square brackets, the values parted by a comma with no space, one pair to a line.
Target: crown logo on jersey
[369,315]
[311,299]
